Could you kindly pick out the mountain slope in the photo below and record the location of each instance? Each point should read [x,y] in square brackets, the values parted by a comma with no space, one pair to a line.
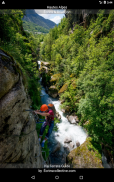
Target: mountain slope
[32,16]
[33,27]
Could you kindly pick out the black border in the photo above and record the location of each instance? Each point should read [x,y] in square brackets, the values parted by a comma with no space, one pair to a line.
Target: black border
[35,4]
[26,174]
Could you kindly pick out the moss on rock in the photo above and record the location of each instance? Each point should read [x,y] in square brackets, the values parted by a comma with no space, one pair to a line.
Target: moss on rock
[42,69]
[74,83]
[85,156]
[53,92]
[64,87]
[9,72]
[55,78]
[10,62]
[53,88]
[47,64]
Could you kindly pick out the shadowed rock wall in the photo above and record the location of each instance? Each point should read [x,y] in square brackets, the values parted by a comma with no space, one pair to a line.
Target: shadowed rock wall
[19,146]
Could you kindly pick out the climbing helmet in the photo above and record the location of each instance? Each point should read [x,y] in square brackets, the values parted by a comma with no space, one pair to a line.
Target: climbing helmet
[44,107]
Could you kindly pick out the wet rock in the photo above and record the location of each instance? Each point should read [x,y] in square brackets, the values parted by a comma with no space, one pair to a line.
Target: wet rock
[9,75]
[107,156]
[54,78]
[71,144]
[66,149]
[18,140]
[104,161]
[67,140]
[56,148]
[53,92]
[77,143]
[47,64]
[73,119]
[82,157]
[43,69]
[58,115]
[63,110]
[61,153]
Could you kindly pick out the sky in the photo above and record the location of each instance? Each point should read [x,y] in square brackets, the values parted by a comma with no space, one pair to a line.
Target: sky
[52,14]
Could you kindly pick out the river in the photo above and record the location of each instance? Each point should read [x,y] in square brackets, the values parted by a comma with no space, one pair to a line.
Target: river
[65,130]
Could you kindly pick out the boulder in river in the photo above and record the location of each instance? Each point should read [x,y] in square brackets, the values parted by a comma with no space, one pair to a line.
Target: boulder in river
[54,78]
[53,92]
[72,119]
[43,69]
[46,64]
[67,140]
[71,144]
[58,115]
[56,148]
[77,143]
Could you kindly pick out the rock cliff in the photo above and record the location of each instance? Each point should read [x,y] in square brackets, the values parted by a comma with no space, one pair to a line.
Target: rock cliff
[84,156]
[19,146]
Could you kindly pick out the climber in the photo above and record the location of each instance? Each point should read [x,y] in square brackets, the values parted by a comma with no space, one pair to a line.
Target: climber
[49,120]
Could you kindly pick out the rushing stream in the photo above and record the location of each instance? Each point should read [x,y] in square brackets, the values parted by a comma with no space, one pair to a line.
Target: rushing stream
[65,130]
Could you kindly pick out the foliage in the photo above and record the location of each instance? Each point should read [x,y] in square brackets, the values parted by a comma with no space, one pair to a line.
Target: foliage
[84,55]
[87,56]
[22,46]
[32,27]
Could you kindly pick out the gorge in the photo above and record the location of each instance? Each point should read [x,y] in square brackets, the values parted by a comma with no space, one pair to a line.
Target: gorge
[67,139]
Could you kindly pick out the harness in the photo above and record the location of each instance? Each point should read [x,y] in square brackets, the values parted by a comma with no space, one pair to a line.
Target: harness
[49,119]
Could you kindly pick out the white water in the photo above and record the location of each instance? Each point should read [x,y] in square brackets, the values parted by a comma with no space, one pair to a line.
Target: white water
[65,129]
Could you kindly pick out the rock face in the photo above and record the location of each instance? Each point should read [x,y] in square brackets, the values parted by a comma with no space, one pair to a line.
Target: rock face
[67,140]
[108,156]
[46,64]
[19,146]
[81,16]
[53,92]
[77,143]
[56,148]
[72,119]
[84,157]
[63,88]
[58,115]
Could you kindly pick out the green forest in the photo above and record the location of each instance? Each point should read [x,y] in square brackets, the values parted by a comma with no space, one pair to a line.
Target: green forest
[32,27]
[23,47]
[84,56]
